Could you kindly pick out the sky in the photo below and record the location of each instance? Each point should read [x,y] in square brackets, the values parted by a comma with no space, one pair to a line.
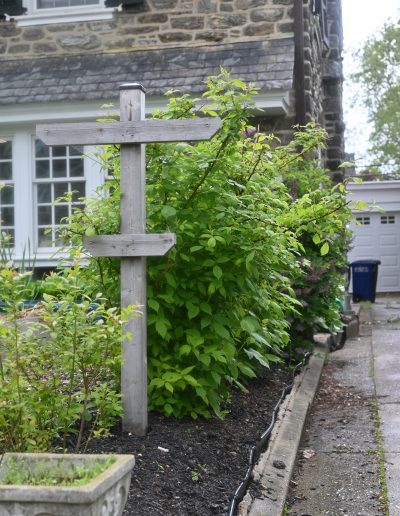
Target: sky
[361,19]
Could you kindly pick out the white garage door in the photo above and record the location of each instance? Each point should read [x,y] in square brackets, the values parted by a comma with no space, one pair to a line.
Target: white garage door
[378,238]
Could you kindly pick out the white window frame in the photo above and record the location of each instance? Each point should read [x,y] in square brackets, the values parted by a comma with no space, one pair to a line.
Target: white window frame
[78,13]
[25,210]
[6,182]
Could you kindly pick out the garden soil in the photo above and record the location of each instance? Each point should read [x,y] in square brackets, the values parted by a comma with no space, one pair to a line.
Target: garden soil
[186,467]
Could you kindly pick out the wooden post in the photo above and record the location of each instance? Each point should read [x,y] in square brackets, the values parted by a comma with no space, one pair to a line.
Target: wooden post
[132,245]
[133,269]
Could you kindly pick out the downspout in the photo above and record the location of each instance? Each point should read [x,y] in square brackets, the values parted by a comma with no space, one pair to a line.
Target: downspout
[299,76]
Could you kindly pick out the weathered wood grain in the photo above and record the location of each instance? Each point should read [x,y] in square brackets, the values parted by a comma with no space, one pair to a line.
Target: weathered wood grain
[130,245]
[143,131]
[133,270]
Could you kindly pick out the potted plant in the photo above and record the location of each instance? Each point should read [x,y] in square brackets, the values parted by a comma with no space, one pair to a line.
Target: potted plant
[49,484]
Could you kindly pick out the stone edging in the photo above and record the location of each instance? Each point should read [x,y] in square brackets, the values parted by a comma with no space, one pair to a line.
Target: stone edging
[275,467]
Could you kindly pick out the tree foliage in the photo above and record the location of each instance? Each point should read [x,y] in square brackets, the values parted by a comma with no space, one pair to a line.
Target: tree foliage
[380,78]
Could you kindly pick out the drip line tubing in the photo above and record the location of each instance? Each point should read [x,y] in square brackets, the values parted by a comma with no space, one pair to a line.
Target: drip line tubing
[256,450]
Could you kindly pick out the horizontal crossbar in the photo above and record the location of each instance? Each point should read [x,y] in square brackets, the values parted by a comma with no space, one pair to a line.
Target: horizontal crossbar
[130,245]
[143,131]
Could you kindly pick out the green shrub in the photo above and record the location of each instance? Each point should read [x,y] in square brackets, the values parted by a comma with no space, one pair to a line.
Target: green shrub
[319,214]
[219,304]
[59,365]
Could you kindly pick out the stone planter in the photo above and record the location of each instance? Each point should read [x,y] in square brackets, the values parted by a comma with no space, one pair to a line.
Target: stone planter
[105,495]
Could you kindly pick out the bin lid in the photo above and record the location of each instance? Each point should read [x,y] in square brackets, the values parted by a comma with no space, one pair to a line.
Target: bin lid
[366,262]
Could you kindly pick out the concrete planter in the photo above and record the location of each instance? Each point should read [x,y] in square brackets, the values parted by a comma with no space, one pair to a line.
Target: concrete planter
[106,495]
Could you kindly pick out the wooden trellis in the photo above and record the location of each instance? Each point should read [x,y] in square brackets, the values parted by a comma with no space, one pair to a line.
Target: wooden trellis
[133,244]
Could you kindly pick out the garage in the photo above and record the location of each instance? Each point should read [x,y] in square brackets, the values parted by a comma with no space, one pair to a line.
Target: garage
[376,231]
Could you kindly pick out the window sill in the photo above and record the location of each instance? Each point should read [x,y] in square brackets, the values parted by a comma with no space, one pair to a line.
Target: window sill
[27,20]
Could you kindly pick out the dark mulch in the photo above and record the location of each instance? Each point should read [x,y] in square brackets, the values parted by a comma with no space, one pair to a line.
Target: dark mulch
[191,467]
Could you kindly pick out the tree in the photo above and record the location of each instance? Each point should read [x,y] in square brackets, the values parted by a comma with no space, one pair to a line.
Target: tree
[380,78]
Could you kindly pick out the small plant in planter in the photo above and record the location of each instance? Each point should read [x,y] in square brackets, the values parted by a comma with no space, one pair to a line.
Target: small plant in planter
[64,485]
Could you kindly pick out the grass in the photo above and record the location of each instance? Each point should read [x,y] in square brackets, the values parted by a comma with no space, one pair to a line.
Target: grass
[20,472]
[381,459]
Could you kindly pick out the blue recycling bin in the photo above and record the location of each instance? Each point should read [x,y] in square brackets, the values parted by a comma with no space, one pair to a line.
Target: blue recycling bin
[365,275]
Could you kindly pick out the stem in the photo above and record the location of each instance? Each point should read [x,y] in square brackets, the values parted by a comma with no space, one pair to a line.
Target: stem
[17,365]
[207,172]
[71,379]
[82,424]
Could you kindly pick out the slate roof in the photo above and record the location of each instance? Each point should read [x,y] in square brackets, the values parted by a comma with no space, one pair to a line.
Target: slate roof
[268,64]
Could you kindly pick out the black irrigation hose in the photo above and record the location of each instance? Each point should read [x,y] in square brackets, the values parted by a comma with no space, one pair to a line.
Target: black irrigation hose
[256,450]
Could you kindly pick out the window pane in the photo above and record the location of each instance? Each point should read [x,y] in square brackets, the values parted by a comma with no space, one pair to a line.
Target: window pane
[5,171]
[44,193]
[60,168]
[5,150]
[42,169]
[78,190]
[47,4]
[58,239]
[43,239]
[63,162]
[78,206]
[44,215]
[41,150]
[7,194]
[76,167]
[61,211]
[7,216]
[59,151]
[7,237]
[60,189]
[76,150]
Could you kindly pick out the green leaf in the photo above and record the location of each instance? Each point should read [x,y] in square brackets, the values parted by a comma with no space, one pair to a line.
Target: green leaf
[169,387]
[185,350]
[316,239]
[205,359]
[246,370]
[211,242]
[193,310]
[205,307]
[192,381]
[324,249]
[168,212]
[249,324]
[194,338]
[168,409]
[161,327]
[217,271]
[155,305]
[221,331]
[187,370]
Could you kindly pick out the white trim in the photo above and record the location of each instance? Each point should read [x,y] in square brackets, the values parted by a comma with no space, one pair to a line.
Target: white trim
[274,102]
[22,170]
[73,14]
[379,195]
[18,121]
[25,216]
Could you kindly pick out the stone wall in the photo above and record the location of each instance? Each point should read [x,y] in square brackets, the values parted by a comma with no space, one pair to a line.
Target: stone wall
[333,87]
[324,79]
[157,24]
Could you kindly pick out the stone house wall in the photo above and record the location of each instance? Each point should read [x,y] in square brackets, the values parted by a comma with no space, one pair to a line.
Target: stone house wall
[186,24]
[324,79]
[156,24]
